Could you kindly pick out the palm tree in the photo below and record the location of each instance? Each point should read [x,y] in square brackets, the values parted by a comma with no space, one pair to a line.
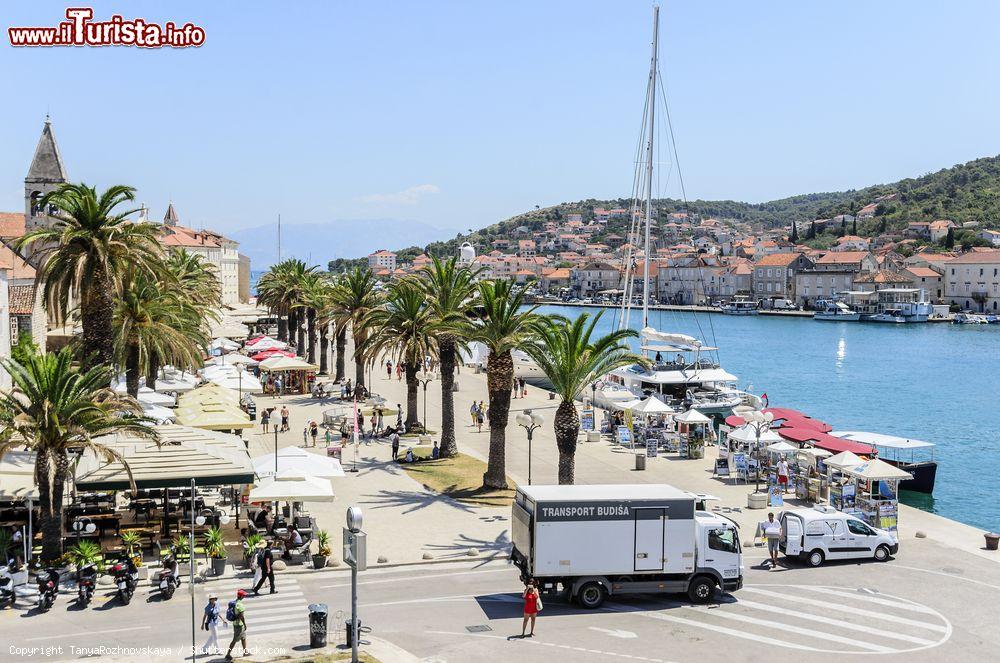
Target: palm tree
[280,289]
[449,288]
[404,329]
[84,256]
[313,292]
[356,298]
[156,323]
[53,408]
[564,351]
[503,326]
[340,319]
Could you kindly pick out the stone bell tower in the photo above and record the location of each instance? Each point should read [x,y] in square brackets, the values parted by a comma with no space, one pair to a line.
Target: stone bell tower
[46,174]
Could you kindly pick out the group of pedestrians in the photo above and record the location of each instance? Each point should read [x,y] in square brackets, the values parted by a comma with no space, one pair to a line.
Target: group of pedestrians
[519,389]
[478,412]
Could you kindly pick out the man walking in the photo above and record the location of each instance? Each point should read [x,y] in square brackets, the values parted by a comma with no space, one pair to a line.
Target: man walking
[395,445]
[474,412]
[236,616]
[783,475]
[265,559]
[772,532]
[284,418]
[388,368]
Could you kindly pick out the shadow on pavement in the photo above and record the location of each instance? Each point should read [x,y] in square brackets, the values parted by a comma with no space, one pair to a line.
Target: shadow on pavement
[490,549]
[414,499]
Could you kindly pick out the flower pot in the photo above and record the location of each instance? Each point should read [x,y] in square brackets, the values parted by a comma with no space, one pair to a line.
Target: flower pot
[218,566]
[992,540]
[319,561]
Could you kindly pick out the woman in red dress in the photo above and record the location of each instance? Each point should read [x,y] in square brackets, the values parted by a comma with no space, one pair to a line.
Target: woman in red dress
[530,607]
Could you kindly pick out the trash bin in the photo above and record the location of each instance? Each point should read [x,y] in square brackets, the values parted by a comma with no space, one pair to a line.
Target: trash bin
[317,625]
[640,461]
[348,626]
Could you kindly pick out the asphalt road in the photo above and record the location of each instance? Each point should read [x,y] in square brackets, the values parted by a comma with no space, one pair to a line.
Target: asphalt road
[929,604]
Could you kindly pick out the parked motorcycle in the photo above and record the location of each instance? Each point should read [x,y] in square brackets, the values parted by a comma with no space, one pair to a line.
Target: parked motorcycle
[48,588]
[126,579]
[85,582]
[168,582]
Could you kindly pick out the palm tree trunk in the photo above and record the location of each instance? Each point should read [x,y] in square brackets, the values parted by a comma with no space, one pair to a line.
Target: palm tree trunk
[324,349]
[499,382]
[567,427]
[97,318]
[311,324]
[51,468]
[341,353]
[154,369]
[132,373]
[293,324]
[359,360]
[446,352]
[282,328]
[300,334]
[411,395]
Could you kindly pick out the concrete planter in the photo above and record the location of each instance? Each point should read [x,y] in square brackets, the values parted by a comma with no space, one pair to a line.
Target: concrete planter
[757,501]
[593,436]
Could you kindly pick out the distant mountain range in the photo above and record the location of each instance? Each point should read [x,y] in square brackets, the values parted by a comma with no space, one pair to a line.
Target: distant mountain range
[318,243]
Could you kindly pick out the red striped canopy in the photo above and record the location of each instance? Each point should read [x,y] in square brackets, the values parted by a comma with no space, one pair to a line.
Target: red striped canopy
[825,441]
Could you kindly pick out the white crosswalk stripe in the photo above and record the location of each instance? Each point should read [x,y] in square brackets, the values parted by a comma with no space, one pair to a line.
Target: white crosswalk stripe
[796,617]
[285,610]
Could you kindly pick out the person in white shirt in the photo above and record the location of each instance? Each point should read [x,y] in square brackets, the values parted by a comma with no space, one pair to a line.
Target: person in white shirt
[772,532]
[783,475]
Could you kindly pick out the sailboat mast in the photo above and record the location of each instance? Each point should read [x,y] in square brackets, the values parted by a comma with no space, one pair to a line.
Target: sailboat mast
[649,165]
[279,238]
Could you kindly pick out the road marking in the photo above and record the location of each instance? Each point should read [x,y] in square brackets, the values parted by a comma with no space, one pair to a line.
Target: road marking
[270,599]
[848,608]
[871,599]
[834,622]
[552,644]
[285,619]
[74,635]
[614,632]
[411,578]
[270,611]
[946,575]
[812,633]
[502,598]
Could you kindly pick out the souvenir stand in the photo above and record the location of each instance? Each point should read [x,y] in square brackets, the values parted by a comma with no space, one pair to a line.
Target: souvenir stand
[841,487]
[742,442]
[691,428]
[810,482]
[877,492]
[652,427]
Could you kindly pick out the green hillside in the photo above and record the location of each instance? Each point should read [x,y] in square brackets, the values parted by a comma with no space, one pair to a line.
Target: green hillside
[965,192]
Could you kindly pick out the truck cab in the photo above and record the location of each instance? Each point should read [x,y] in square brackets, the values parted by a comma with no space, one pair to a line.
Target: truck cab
[719,552]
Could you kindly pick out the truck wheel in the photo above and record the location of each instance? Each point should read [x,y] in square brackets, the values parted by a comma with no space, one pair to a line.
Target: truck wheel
[882,553]
[591,595]
[701,590]
[815,558]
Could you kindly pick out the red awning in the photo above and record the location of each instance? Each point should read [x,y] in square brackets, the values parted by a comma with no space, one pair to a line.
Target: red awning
[266,354]
[824,441]
[735,421]
[796,419]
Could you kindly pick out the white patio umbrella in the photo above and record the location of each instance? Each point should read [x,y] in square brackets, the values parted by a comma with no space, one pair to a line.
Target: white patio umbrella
[294,459]
[843,460]
[747,435]
[287,364]
[692,416]
[292,486]
[781,448]
[160,414]
[266,343]
[235,359]
[877,470]
[651,406]
[224,344]
[150,397]
[240,381]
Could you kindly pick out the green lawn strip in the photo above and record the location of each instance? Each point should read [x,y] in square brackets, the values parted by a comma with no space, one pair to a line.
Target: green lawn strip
[460,478]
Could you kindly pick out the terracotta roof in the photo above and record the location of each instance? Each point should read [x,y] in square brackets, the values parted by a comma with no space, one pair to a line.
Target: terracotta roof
[842,257]
[973,257]
[923,272]
[182,236]
[778,260]
[881,276]
[19,269]
[561,273]
[11,224]
[22,299]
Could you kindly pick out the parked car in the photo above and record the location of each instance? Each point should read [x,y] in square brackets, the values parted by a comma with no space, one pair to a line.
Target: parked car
[821,533]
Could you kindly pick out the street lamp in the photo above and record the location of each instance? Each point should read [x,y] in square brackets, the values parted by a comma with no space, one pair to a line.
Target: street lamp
[758,422]
[529,422]
[425,378]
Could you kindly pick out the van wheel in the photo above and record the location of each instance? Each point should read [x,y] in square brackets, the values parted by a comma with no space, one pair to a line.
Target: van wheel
[591,595]
[815,558]
[701,590]
[882,553]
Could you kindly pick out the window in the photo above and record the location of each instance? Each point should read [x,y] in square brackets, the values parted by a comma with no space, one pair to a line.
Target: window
[723,539]
[858,527]
[768,272]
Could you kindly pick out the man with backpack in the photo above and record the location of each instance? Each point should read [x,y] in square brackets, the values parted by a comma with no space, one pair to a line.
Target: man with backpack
[265,560]
[236,616]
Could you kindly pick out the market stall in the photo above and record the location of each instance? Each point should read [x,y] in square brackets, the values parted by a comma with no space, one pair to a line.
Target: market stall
[691,427]
[297,372]
[876,499]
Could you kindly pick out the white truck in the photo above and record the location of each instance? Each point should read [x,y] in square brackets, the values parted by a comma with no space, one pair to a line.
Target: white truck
[590,542]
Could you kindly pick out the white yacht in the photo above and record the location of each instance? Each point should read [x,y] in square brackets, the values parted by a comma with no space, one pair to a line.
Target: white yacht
[740,306]
[835,311]
[896,305]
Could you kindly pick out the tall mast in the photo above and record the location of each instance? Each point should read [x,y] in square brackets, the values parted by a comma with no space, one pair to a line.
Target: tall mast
[279,238]
[649,165]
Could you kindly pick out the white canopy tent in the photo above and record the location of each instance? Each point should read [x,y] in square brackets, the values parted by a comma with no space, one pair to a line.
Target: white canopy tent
[297,460]
[266,343]
[651,405]
[878,470]
[692,416]
[232,359]
[224,344]
[241,381]
[292,486]
[149,397]
[782,448]
[748,435]
[287,364]
[624,405]
[843,460]
[160,414]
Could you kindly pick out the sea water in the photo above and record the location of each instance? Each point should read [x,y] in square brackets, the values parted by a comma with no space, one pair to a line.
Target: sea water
[935,381]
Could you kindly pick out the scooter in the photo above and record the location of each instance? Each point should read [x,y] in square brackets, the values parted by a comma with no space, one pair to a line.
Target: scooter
[48,588]
[85,582]
[168,583]
[126,579]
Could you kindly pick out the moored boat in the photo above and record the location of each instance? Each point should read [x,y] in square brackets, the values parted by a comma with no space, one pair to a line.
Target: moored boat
[740,306]
[913,456]
[835,311]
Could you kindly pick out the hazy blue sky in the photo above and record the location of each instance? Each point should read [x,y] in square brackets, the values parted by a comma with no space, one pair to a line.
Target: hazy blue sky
[458,114]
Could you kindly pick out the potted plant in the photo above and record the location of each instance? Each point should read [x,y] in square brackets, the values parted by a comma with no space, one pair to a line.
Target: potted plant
[6,544]
[250,547]
[132,542]
[216,549]
[324,551]
[83,554]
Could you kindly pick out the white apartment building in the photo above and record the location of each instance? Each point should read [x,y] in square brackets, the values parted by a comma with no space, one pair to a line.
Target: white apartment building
[382,258]
[972,281]
[216,249]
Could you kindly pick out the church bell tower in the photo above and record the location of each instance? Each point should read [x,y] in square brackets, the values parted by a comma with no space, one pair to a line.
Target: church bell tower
[46,174]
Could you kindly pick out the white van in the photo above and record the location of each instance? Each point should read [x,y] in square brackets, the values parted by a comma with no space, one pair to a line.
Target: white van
[823,533]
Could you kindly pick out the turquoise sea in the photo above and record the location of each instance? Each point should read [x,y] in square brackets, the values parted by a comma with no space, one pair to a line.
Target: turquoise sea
[937,382]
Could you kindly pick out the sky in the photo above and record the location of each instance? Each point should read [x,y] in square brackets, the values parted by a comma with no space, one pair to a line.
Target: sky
[455,115]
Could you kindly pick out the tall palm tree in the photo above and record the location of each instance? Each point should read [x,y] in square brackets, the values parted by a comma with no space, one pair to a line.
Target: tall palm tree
[449,288]
[313,292]
[194,281]
[571,359]
[356,298]
[156,323]
[53,408]
[403,328]
[340,320]
[84,255]
[505,324]
[280,289]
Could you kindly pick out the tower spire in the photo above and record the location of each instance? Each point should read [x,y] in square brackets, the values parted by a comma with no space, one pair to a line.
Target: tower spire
[171,218]
[47,166]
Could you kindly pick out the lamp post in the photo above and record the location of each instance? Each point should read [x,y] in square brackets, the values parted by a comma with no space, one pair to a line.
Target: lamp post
[758,422]
[425,378]
[529,422]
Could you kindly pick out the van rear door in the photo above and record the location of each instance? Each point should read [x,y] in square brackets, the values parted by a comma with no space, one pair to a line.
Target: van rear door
[793,534]
[649,530]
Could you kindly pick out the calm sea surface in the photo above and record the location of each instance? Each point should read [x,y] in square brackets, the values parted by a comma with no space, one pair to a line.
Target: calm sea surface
[936,382]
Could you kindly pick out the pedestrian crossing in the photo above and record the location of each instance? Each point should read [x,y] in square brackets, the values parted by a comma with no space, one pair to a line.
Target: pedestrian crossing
[286,610]
[834,620]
